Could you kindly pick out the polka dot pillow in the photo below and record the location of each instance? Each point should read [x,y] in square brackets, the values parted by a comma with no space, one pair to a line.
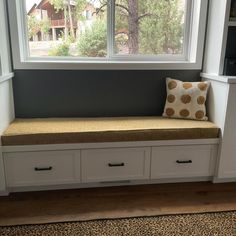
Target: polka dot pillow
[186,100]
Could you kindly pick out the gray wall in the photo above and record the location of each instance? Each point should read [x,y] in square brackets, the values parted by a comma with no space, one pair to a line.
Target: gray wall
[39,93]
[231,45]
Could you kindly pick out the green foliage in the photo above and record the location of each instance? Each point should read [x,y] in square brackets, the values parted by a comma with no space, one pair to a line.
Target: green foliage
[33,26]
[79,8]
[93,42]
[63,5]
[58,4]
[45,25]
[160,25]
[60,50]
[162,33]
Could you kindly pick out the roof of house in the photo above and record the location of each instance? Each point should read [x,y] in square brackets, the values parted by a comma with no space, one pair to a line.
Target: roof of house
[44,2]
[32,9]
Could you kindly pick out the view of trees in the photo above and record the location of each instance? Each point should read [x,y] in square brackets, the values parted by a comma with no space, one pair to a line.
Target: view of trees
[93,43]
[35,25]
[153,27]
[150,27]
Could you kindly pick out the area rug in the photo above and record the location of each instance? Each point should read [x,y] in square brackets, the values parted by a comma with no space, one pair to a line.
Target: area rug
[205,224]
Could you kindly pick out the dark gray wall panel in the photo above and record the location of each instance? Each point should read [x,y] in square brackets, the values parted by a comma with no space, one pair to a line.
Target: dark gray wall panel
[231,45]
[39,93]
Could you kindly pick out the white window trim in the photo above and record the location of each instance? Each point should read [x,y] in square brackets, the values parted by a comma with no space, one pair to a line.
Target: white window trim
[5,63]
[165,62]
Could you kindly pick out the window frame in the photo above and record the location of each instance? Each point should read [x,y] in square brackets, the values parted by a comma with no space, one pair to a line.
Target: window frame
[192,60]
[5,62]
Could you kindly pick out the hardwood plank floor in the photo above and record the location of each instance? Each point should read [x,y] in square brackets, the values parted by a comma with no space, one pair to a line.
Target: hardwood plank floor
[116,202]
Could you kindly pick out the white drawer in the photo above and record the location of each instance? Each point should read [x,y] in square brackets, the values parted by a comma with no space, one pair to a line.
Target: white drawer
[182,161]
[42,168]
[104,165]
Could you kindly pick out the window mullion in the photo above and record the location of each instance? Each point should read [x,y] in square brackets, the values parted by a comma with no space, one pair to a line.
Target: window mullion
[188,28]
[23,28]
[110,28]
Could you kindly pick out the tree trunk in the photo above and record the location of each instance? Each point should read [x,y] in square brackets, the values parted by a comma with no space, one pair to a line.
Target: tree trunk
[72,33]
[65,17]
[166,39]
[133,24]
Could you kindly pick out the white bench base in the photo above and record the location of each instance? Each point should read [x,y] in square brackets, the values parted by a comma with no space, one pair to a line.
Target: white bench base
[46,167]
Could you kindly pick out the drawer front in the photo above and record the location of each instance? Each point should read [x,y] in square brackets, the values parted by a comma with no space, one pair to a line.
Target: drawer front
[42,168]
[105,165]
[182,161]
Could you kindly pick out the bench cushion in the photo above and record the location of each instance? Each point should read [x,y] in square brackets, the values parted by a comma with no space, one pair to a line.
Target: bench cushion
[115,129]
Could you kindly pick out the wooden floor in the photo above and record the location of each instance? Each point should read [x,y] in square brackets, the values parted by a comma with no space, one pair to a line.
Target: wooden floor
[116,202]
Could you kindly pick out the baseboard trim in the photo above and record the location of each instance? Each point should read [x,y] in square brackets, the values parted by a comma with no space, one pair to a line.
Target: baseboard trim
[4,193]
[107,184]
[223,180]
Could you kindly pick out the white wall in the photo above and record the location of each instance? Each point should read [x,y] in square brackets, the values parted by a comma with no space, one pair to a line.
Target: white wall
[6,94]
[6,105]
[6,116]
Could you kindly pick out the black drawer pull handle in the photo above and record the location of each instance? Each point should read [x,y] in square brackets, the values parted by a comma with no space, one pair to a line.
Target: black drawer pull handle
[43,168]
[184,162]
[116,165]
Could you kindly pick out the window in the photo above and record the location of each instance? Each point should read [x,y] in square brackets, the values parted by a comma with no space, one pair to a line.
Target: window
[150,28]
[109,32]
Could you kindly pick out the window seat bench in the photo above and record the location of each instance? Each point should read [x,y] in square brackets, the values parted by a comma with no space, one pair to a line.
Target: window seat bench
[51,153]
[119,129]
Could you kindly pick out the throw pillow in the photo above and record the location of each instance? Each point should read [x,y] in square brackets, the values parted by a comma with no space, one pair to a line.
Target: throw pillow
[186,100]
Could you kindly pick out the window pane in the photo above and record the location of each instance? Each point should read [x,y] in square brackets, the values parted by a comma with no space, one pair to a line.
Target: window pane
[67,28]
[150,27]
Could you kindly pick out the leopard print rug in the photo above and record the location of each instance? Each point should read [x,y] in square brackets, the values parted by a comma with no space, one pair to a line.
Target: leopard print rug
[206,224]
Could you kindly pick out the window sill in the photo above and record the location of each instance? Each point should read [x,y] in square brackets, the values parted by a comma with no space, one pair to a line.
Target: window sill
[6,77]
[108,65]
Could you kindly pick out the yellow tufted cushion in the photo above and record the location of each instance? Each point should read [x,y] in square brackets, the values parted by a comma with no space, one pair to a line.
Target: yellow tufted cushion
[115,129]
[186,100]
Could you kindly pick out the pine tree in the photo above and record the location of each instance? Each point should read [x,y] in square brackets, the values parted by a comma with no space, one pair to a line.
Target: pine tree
[154,26]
